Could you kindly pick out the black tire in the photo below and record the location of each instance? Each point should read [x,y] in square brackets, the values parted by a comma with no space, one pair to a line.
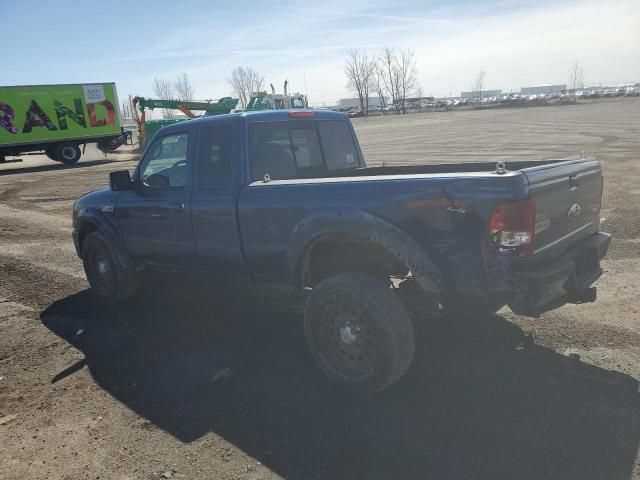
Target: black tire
[109,281]
[67,153]
[51,154]
[359,332]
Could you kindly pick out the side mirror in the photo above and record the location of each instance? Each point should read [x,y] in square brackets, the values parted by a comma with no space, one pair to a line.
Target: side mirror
[120,180]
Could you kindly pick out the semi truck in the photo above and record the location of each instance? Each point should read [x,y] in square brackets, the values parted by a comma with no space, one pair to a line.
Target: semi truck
[59,119]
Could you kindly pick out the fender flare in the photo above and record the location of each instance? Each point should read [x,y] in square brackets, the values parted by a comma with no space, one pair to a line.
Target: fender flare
[370,228]
[99,222]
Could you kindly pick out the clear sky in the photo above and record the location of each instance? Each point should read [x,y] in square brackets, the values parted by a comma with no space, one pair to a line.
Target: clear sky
[517,43]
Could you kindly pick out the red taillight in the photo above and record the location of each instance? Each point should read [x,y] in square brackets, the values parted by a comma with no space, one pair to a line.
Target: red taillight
[302,114]
[512,227]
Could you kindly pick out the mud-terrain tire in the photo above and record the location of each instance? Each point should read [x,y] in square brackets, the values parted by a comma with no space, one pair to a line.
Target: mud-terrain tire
[109,281]
[359,332]
[68,153]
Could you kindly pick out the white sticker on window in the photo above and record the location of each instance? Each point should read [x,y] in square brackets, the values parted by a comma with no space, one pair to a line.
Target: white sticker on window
[94,93]
[349,158]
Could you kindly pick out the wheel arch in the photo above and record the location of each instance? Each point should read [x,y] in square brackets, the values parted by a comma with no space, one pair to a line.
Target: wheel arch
[93,220]
[374,239]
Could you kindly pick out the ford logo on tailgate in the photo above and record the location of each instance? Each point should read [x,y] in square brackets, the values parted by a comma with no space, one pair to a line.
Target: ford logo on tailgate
[574,211]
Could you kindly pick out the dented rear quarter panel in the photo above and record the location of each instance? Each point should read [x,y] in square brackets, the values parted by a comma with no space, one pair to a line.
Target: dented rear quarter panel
[437,213]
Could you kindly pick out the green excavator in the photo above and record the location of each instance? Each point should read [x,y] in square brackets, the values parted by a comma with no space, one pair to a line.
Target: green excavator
[148,128]
[257,101]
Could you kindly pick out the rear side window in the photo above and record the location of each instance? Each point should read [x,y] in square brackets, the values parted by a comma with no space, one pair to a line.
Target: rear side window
[296,149]
[307,152]
[339,147]
[270,151]
[214,157]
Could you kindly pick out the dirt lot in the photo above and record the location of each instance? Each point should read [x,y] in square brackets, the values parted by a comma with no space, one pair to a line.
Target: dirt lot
[183,383]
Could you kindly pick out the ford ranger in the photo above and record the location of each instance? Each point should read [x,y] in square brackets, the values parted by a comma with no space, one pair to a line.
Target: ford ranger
[285,197]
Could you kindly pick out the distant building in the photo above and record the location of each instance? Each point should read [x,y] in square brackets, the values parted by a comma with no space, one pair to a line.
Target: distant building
[543,89]
[355,102]
[478,94]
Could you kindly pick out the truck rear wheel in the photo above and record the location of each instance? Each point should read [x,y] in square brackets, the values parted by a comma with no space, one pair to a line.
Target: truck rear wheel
[109,281]
[359,332]
[67,153]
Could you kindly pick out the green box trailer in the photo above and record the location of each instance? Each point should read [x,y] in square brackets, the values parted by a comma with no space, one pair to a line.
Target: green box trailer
[58,119]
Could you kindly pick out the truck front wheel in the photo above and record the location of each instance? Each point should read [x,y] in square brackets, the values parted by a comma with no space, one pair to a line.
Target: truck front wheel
[67,153]
[358,331]
[109,281]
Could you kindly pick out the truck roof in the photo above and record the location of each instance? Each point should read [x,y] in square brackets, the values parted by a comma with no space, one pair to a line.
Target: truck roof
[263,116]
[275,115]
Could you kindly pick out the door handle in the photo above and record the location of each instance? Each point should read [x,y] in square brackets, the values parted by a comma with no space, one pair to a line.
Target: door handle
[176,207]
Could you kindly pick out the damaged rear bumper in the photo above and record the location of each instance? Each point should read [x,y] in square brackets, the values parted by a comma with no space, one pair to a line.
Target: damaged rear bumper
[567,279]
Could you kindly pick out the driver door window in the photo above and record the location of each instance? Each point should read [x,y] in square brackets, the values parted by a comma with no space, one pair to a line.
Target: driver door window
[166,163]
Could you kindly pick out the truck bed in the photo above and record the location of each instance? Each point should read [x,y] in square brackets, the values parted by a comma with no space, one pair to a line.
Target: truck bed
[441,168]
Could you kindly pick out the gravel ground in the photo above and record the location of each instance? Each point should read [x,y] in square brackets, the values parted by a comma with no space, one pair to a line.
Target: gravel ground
[195,380]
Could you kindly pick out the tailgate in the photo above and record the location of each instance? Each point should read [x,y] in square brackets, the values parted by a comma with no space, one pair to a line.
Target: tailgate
[568,196]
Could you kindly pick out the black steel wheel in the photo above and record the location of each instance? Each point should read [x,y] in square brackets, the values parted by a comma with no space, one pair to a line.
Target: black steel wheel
[358,331]
[347,338]
[68,153]
[109,281]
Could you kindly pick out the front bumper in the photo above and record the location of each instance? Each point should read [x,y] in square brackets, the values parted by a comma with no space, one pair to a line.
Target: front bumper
[567,280]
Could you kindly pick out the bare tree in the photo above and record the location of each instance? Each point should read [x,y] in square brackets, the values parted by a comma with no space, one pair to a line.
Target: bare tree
[244,81]
[399,75]
[478,85]
[377,83]
[576,77]
[407,76]
[359,69]
[387,67]
[387,63]
[184,89]
[163,89]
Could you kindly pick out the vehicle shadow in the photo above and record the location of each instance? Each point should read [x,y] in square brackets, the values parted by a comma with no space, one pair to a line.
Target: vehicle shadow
[480,401]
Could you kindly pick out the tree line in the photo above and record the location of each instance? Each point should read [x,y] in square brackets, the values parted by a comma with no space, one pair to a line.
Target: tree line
[392,74]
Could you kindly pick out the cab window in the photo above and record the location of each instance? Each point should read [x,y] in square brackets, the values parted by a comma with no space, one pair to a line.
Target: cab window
[270,151]
[339,147]
[301,149]
[165,165]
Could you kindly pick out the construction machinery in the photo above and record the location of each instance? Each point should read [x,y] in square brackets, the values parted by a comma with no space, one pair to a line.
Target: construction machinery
[276,101]
[148,128]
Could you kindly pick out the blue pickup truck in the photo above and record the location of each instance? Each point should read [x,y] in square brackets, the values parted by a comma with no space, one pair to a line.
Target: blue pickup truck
[285,197]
